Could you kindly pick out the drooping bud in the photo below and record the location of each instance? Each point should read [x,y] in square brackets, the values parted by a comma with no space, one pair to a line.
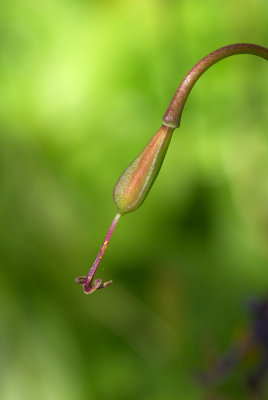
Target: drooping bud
[136,181]
[130,191]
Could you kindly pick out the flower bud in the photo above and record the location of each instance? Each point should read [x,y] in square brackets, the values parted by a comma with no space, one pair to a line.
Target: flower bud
[136,181]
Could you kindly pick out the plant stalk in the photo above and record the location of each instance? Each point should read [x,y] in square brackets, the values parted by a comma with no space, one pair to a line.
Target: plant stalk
[173,114]
[86,281]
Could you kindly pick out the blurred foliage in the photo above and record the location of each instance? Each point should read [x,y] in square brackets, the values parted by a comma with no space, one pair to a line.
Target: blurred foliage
[84,85]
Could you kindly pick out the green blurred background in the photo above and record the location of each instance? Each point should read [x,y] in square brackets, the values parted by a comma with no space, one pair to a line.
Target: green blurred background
[84,85]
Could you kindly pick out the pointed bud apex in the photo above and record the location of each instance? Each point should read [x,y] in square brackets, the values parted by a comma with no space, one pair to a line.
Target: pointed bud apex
[136,181]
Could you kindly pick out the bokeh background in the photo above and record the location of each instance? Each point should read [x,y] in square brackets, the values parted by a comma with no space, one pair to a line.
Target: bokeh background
[84,85]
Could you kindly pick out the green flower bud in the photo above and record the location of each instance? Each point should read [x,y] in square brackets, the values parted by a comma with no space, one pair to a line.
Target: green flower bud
[136,181]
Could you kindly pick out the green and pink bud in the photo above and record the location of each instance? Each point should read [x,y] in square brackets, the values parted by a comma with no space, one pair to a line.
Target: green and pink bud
[129,192]
[136,181]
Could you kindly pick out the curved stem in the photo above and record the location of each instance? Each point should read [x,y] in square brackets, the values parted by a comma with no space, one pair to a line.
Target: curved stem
[136,181]
[173,114]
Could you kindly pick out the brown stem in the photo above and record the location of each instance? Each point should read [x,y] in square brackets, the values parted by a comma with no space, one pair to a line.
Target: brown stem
[173,114]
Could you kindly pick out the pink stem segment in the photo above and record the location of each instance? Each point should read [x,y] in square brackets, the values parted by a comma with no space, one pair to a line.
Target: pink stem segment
[86,281]
[173,114]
